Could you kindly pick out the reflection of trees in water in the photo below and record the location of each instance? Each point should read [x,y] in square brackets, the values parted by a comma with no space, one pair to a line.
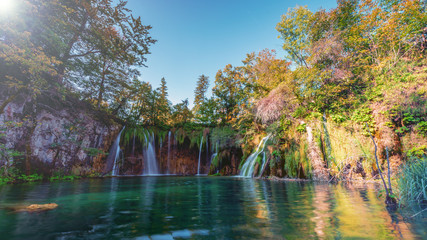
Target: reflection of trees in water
[322,211]
[109,216]
[353,212]
[147,199]
[256,208]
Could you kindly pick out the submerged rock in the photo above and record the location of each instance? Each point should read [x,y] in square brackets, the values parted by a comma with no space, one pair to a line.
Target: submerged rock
[35,207]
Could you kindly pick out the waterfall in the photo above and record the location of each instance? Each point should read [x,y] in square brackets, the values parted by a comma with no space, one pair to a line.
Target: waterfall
[160,149]
[116,147]
[214,148]
[207,150]
[150,161]
[133,146]
[248,167]
[169,150]
[200,153]
[175,149]
[263,164]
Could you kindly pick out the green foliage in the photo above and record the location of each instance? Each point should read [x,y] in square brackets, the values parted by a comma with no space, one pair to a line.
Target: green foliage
[285,124]
[10,174]
[412,181]
[363,116]
[422,128]
[294,29]
[402,130]
[202,86]
[259,159]
[229,94]
[30,178]
[64,178]
[275,128]
[337,118]
[93,152]
[225,137]
[149,107]
[417,152]
[215,162]
[141,135]
[315,115]
[410,114]
[302,128]
[296,162]
[181,114]
[8,155]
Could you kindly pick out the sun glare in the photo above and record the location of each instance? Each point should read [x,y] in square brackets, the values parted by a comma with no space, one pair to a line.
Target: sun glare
[6,6]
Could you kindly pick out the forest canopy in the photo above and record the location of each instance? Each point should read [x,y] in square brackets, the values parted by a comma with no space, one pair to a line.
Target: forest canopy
[336,62]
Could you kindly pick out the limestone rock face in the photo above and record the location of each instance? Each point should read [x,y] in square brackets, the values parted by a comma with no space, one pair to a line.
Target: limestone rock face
[54,133]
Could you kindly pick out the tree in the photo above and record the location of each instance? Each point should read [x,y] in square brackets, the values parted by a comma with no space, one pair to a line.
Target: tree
[181,114]
[263,72]
[23,64]
[228,91]
[141,109]
[164,105]
[202,86]
[208,112]
[73,38]
[294,30]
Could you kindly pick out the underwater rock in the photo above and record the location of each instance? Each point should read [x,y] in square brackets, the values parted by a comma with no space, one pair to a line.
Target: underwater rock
[35,207]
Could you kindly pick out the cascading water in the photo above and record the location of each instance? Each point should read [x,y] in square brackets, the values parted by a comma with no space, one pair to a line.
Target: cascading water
[133,146]
[248,167]
[263,164]
[116,147]
[200,153]
[215,150]
[150,161]
[160,149]
[169,150]
[207,150]
[175,148]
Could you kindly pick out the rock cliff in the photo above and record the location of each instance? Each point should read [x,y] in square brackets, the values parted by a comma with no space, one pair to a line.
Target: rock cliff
[53,132]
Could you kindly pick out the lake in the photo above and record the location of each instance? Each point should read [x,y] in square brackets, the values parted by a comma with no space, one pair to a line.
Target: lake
[169,207]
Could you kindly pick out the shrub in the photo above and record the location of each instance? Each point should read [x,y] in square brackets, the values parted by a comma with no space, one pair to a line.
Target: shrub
[422,128]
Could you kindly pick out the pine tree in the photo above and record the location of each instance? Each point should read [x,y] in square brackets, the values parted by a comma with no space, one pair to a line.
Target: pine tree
[202,86]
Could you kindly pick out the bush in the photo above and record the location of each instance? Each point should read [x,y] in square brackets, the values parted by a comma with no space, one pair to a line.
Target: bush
[422,128]
[412,181]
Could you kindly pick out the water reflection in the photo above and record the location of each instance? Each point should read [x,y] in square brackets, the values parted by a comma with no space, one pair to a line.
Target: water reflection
[322,211]
[200,208]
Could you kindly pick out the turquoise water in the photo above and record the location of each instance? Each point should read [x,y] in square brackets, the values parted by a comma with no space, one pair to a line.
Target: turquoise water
[200,208]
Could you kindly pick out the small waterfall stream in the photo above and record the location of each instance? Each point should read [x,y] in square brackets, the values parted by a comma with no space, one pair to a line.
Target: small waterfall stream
[215,150]
[116,147]
[133,146]
[200,153]
[248,167]
[169,150]
[207,151]
[160,148]
[150,161]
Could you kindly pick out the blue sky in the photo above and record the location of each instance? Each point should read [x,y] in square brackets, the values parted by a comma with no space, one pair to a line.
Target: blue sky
[198,37]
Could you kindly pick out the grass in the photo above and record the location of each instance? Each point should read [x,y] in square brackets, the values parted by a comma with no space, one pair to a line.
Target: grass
[412,182]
